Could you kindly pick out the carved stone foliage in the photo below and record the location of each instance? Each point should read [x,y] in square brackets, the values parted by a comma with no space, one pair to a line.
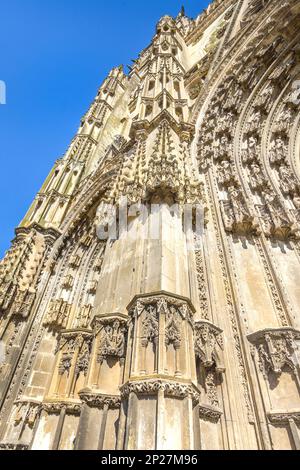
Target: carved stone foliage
[152,387]
[112,337]
[209,345]
[55,407]
[94,400]
[276,349]
[209,413]
[283,418]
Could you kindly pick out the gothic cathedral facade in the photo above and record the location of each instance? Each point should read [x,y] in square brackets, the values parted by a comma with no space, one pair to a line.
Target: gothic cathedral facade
[140,342]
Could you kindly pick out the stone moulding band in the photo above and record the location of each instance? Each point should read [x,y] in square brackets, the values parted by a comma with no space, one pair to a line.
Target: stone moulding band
[284,416]
[145,299]
[170,389]
[95,400]
[208,413]
[57,407]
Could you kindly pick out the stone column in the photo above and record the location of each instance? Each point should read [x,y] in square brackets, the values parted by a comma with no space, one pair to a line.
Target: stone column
[160,394]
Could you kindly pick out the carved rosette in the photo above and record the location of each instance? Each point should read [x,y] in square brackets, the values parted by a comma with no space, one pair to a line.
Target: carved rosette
[276,349]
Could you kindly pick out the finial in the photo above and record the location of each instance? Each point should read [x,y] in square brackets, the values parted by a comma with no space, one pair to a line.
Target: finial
[182,11]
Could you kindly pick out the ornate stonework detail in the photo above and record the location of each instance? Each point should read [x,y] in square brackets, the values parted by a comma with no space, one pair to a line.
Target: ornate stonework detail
[84,316]
[165,303]
[112,342]
[149,325]
[14,446]
[208,413]
[234,326]
[276,349]
[284,417]
[22,303]
[211,389]
[99,400]
[153,387]
[58,313]
[57,407]
[27,413]
[173,328]
[70,343]
[202,284]
[207,119]
[237,217]
[209,345]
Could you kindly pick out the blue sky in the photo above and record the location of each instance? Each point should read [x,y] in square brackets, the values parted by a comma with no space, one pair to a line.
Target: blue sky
[53,56]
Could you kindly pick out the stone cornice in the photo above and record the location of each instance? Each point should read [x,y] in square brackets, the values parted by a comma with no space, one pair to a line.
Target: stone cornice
[278,417]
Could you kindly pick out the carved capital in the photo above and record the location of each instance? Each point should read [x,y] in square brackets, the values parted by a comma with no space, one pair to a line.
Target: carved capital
[95,400]
[278,417]
[57,407]
[152,387]
[209,413]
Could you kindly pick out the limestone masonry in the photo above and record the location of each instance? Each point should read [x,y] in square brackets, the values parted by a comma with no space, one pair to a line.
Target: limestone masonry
[141,342]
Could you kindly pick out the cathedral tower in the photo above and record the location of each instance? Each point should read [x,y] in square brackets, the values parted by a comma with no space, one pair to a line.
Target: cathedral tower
[150,298]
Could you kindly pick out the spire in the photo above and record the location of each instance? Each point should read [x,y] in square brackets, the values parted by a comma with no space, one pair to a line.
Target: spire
[182,12]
